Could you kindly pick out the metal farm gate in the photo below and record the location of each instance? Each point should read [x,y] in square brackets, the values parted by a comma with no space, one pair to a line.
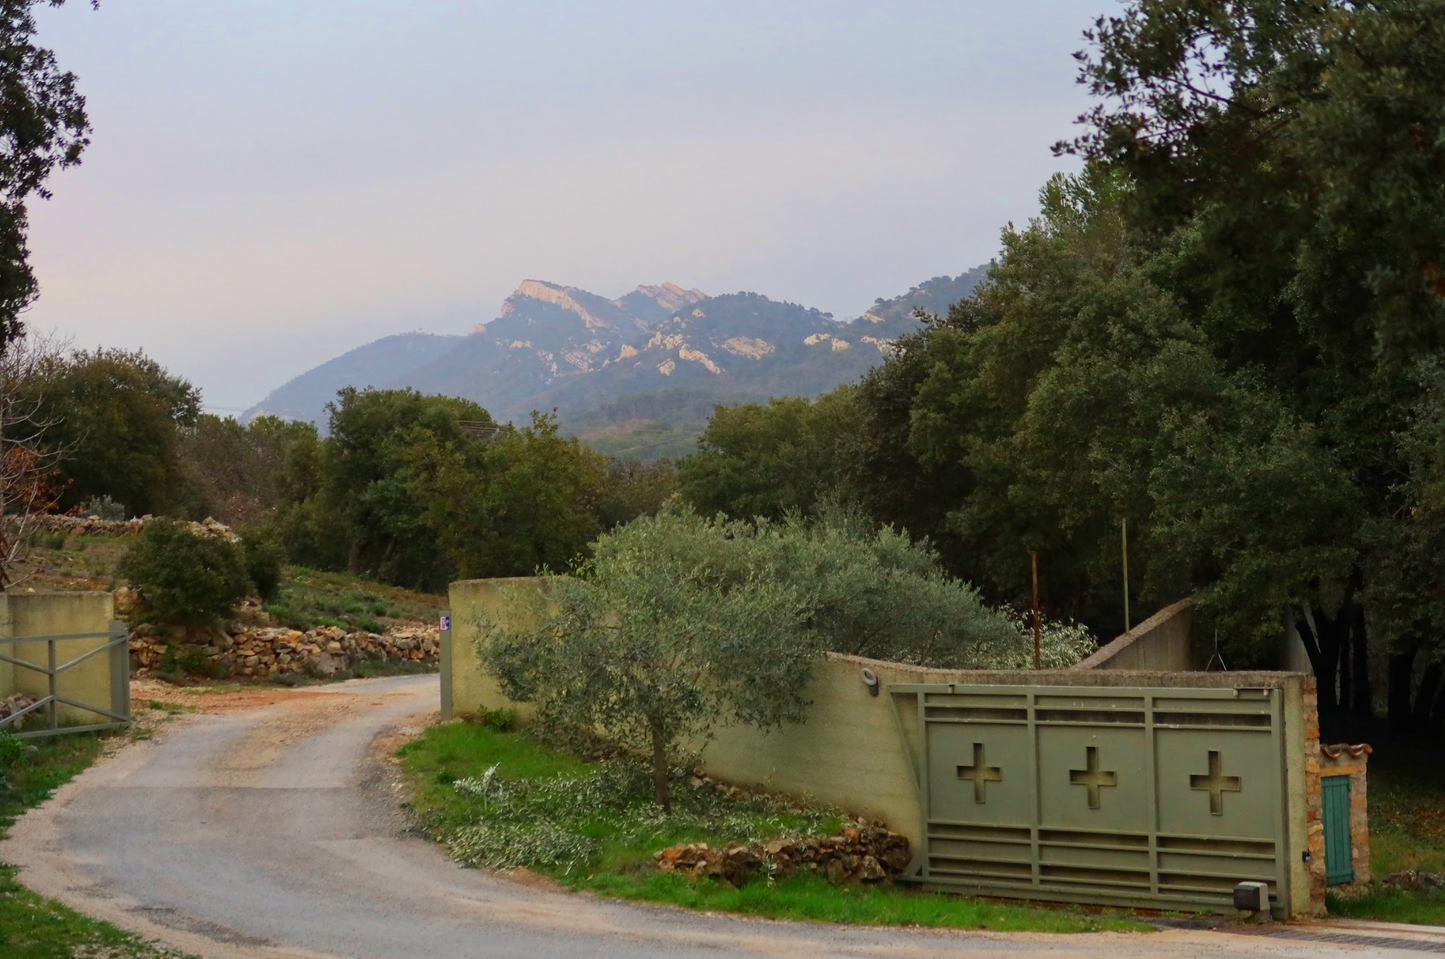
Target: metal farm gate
[1161,798]
[50,683]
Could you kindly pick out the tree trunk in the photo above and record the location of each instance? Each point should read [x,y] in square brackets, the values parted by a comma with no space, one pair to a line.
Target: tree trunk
[660,787]
[354,557]
[1323,651]
[1347,688]
[1363,703]
[1402,669]
[1425,697]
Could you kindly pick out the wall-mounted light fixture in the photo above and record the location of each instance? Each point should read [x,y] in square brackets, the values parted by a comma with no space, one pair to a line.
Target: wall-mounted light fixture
[870,679]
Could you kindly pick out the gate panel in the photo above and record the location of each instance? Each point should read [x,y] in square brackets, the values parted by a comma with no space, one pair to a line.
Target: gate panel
[1148,797]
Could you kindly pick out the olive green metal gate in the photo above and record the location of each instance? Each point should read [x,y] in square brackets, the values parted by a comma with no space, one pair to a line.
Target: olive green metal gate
[1132,796]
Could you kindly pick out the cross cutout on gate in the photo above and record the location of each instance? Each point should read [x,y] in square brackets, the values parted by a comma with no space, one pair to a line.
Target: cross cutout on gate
[1092,776]
[981,774]
[1216,783]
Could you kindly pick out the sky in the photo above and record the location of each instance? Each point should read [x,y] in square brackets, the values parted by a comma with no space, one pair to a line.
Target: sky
[272,183]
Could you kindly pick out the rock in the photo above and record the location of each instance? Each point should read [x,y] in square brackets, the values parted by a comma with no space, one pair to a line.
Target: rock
[862,852]
[126,601]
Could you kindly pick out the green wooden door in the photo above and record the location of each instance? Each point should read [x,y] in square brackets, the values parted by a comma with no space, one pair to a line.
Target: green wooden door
[1335,793]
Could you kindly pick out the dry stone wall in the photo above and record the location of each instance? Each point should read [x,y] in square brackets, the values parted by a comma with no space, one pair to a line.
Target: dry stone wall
[260,652]
[95,526]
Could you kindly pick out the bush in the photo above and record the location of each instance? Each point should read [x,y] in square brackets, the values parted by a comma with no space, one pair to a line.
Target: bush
[105,508]
[264,558]
[186,579]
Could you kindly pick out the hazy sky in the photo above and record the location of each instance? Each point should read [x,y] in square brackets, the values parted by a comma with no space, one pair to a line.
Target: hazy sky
[273,183]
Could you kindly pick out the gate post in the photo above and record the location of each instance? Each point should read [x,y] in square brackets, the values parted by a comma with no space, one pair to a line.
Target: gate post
[120,669]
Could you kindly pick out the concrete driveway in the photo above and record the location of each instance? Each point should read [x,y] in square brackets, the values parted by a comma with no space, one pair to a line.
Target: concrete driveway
[270,828]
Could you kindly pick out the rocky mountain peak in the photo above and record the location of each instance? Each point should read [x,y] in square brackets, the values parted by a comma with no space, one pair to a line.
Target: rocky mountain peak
[671,296]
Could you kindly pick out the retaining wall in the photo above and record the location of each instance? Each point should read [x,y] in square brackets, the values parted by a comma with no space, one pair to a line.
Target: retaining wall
[1161,643]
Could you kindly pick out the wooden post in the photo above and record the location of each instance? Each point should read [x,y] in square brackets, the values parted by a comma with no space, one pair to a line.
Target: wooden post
[1124,535]
[1034,557]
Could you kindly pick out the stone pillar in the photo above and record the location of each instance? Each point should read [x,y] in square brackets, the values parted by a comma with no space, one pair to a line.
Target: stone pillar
[1347,760]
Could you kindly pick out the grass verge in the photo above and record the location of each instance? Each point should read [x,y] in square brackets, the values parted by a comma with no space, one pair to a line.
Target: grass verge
[497,798]
[1406,794]
[311,598]
[32,927]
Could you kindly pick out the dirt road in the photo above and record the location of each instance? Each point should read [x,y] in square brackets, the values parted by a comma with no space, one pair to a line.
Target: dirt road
[267,827]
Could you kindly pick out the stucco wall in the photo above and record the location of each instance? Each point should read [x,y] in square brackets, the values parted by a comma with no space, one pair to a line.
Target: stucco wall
[471,601]
[38,614]
[850,750]
[1161,642]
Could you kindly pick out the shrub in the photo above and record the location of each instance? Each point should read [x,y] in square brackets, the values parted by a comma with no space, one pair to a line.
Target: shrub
[264,557]
[179,663]
[13,753]
[105,508]
[186,579]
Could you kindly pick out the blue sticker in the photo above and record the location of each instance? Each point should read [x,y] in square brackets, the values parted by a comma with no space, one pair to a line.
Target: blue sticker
[446,622]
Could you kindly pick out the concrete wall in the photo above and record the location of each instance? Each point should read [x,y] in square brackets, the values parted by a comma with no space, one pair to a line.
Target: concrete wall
[1161,643]
[850,751]
[38,614]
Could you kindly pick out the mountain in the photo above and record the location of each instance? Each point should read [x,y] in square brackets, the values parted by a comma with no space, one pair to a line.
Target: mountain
[931,296]
[545,335]
[554,346]
[377,363]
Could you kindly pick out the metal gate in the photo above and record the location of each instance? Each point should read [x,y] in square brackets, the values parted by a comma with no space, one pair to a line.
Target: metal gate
[1150,797]
[115,646]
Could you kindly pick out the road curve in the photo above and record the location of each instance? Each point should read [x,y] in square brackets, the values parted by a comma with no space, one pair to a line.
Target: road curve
[269,832]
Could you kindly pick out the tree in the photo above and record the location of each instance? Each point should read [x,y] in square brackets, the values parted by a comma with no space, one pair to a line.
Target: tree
[28,465]
[43,126]
[242,470]
[655,644]
[120,416]
[1285,149]
[756,460]
[364,484]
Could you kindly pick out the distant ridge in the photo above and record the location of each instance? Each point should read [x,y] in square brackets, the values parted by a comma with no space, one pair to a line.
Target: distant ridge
[305,397]
[565,347]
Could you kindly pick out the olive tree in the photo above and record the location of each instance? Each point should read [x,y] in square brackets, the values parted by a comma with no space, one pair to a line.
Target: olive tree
[675,624]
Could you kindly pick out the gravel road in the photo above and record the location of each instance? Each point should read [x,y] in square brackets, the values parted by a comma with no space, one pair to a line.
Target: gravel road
[267,827]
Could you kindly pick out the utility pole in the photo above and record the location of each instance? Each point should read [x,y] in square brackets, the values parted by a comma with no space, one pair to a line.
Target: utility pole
[1034,557]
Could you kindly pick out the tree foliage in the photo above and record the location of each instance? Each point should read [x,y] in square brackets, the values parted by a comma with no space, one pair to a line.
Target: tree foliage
[121,418]
[658,640]
[43,127]
[756,460]
[185,579]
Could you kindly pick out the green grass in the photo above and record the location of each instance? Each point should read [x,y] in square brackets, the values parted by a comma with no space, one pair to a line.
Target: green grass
[1406,794]
[32,927]
[623,835]
[311,598]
